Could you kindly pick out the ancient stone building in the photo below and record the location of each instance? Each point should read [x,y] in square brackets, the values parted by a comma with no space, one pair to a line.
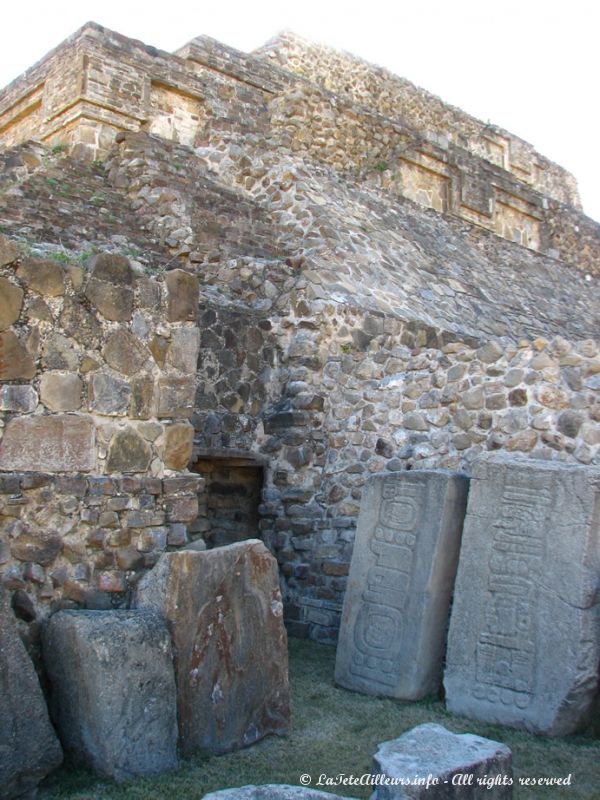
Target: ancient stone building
[235,286]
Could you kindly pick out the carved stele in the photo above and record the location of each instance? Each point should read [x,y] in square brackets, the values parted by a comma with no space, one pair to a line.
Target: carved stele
[524,640]
[224,610]
[401,577]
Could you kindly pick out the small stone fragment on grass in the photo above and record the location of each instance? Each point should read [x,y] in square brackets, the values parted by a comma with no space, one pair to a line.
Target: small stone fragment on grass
[430,762]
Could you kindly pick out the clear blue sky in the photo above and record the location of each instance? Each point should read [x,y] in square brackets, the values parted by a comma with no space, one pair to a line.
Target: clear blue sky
[529,66]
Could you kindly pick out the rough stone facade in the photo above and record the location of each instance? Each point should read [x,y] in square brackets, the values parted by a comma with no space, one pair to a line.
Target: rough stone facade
[30,748]
[387,94]
[243,273]
[312,101]
[95,442]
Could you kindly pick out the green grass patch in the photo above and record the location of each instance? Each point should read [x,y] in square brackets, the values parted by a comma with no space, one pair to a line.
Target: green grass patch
[336,732]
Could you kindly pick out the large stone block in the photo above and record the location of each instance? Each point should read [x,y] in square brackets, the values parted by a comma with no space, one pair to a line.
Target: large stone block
[57,443]
[113,301]
[433,763]
[79,323]
[225,614]
[272,791]
[109,395]
[59,352]
[524,640]
[36,545]
[43,277]
[29,749]
[9,252]
[176,397]
[403,566]
[179,440]
[182,296]
[113,690]
[22,398]
[61,392]
[124,352]
[128,452]
[112,268]
[141,404]
[15,361]
[11,301]
[183,349]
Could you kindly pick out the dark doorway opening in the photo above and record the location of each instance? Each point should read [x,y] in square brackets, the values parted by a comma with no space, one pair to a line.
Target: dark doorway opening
[233,492]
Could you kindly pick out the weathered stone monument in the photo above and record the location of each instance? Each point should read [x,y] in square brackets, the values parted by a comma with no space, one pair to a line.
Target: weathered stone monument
[524,640]
[29,748]
[432,763]
[404,562]
[113,690]
[224,610]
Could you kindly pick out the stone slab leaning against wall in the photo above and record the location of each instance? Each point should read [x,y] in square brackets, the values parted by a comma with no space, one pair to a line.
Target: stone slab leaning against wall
[402,573]
[225,614]
[524,639]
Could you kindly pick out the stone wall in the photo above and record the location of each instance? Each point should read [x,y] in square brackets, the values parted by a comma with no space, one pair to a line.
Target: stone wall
[390,156]
[323,394]
[347,394]
[267,292]
[98,82]
[366,394]
[310,101]
[397,99]
[97,385]
[572,237]
[64,207]
[114,349]
[197,218]
[85,540]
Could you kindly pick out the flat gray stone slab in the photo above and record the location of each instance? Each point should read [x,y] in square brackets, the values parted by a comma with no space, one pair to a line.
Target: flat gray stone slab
[29,747]
[225,614]
[272,791]
[49,443]
[524,640]
[432,763]
[397,602]
[113,690]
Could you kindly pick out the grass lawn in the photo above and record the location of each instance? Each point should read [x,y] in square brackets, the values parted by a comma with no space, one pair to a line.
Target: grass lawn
[336,732]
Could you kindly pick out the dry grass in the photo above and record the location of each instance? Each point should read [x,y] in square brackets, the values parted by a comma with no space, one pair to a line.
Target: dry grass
[334,732]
